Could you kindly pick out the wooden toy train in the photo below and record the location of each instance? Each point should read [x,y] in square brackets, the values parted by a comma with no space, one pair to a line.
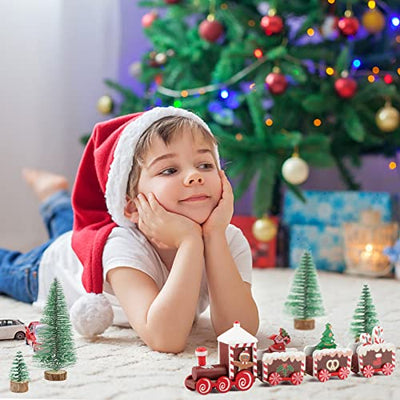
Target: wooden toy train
[240,363]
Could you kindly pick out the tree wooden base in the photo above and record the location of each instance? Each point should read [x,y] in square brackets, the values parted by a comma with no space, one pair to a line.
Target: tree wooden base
[19,387]
[304,324]
[60,375]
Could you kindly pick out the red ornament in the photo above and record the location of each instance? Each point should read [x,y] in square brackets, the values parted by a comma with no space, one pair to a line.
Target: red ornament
[158,79]
[172,1]
[276,82]
[346,87]
[272,24]
[211,30]
[148,19]
[348,26]
[388,79]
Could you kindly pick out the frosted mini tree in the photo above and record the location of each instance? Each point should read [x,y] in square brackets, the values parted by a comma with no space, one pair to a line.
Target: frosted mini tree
[365,317]
[327,340]
[55,338]
[19,375]
[304,301]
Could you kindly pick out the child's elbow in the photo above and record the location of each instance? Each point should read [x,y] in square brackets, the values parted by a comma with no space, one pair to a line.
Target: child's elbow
[164,345]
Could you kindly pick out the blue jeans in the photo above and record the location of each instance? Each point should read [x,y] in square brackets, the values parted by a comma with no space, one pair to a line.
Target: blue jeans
[19,271]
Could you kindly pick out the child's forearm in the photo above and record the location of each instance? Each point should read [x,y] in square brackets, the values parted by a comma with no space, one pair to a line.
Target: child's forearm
[230,296]
[171,315]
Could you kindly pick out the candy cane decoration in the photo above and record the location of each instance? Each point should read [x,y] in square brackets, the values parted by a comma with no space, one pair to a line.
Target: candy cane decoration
[365,339]
[377,334]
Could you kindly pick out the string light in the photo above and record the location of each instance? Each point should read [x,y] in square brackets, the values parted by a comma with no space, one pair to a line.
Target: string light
[331,1]
[258,53]
[317,122]
[252,86]
[184,93]
[310,32]
[371,78]
[224,94]
[398,71]
[356,63]
[224,6]
[269,122]
[395,21]
[398,38]
[392,165]
[375,70]
[239,137]
[371,4]
[330,71]
[177,103]
[251,23]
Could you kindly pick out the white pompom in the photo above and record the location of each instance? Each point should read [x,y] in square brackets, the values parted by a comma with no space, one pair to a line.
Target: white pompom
[91,314]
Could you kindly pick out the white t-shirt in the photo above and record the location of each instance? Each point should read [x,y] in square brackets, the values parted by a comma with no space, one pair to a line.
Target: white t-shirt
[128,248]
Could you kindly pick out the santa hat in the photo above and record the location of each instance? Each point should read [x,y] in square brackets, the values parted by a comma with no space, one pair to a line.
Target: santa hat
[99,200]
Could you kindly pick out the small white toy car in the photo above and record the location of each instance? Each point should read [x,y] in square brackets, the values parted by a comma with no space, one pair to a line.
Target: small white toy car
[12,329]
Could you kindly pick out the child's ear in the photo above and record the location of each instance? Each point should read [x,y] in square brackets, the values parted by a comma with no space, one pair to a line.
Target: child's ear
[131,211]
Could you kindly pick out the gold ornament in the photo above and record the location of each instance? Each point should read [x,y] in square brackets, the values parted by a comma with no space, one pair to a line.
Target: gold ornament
[264,229]
[387,118]
[105,104]
[373,21]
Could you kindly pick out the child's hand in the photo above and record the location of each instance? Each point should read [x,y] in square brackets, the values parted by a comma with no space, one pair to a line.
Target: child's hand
[221,216]
[164,228]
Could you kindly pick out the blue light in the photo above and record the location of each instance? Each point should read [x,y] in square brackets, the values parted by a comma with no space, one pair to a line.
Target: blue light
[395,21]
[224,94]
[356,63]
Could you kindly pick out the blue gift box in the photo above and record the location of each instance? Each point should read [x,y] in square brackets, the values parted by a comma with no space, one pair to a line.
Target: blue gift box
[317,224]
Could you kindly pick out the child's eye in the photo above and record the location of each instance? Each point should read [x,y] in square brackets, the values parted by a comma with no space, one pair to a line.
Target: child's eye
[168,171]
[206,166]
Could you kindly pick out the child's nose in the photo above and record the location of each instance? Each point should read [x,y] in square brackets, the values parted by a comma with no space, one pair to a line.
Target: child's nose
[194,178]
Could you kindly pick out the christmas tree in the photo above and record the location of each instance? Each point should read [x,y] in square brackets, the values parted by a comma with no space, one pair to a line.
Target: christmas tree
[365,317]
[283,83]
[304,301]
[327,340]
[55,337]
[19,375]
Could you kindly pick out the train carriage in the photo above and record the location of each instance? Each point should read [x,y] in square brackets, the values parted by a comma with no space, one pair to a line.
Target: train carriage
[370,359]
[325,363]
[286,366]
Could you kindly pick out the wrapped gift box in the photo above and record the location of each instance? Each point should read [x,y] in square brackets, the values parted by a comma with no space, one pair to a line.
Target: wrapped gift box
[317,224]
[264,253]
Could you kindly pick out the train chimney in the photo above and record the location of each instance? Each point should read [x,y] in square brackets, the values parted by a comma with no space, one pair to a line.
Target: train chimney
[201,354]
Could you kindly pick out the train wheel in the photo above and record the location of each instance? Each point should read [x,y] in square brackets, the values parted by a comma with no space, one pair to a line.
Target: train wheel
[323,375]
[204,386]
[244,380]
[274,379]
[343,372]
[368,371]
[296,378]
[224,384]
[387,369]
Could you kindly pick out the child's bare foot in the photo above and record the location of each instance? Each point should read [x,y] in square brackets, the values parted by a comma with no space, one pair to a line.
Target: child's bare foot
[44,183]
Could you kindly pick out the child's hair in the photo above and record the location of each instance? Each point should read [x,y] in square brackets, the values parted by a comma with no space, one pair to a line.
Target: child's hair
[164,128]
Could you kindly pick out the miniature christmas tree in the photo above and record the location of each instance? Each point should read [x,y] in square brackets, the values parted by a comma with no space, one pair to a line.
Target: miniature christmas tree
[57,347]
[19,375]
[364,318]
[304,301]
[327,340]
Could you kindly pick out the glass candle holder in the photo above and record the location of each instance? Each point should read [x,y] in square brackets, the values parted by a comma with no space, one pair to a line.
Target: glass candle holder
[364,242]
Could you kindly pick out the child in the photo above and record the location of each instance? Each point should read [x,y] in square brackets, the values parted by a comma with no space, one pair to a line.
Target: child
[151,234]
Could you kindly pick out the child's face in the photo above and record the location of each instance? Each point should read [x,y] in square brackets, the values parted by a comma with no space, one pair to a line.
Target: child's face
[183,175]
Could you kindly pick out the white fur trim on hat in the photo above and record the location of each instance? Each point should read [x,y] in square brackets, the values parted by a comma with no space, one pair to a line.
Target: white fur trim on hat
[91,314]
[123,158]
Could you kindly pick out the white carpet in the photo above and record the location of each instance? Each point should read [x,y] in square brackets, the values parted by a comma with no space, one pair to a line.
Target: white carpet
[119,366]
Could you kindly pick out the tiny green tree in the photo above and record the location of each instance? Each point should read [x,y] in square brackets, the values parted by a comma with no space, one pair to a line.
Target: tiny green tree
[327,340]
[304,301]
[19,371]
[365,317]
[55,337]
